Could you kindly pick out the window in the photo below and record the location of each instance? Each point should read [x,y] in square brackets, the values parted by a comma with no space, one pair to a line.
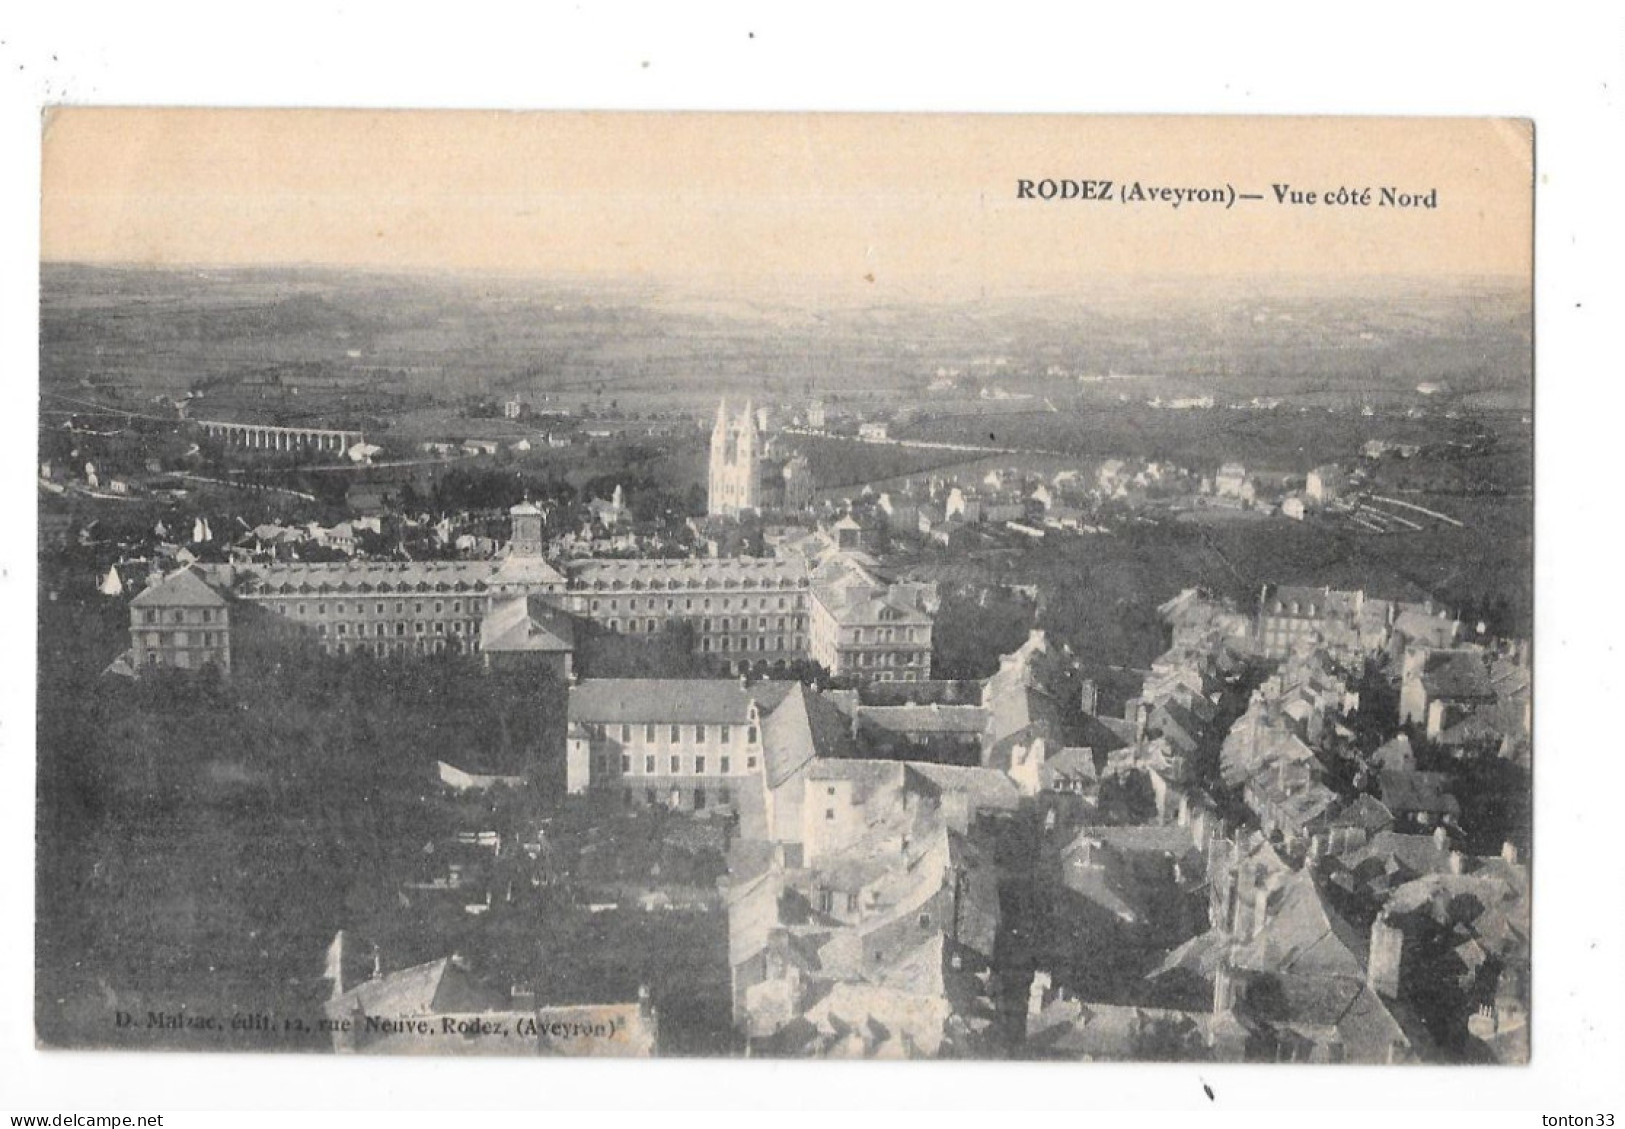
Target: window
[321,609]
[649,733]
[208,616]
[725,765]
[626,734]
[676,735]
[338,610]
[649,767]
[439,606]
[380,608]
[699,765]
[852,902]
[826,901]
[699,734]
[723,733]
[626,763]
[676,765]
[750,735]
[829,813]
[750,762]
[321,629]
[925,921]
[457,606]
[649,796]
[699,799]
[400,629]
[725,796]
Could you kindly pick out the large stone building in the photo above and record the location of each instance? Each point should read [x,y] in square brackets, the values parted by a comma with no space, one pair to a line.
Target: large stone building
[180,622]
[395,607]
[746,614]
[745,611]
[748,474]
[736,449]
[867,630]
[692,745]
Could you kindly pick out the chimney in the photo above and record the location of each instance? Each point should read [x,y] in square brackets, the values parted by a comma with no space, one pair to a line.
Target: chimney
[1089,697]
[1441,839]
[1387,953]
[1224,988]
[1317,849]
[1509,853]
[1458,862]
[1036,995]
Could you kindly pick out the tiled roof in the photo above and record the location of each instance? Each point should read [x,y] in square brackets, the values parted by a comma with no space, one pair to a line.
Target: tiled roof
[673,701]
[425,989]
[987,789]
[526,623]
[934,718]
[1159,838]
[1418,792]
[1457,675]
[747,572]
[183,589]
[802,726]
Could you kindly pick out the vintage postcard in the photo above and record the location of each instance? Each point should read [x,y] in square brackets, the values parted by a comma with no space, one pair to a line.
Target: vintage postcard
[847,586]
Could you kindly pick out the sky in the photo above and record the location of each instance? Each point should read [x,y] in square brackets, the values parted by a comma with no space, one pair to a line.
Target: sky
[893,206]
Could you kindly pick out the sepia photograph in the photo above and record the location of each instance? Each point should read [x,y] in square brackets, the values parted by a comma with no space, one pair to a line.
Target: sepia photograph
[786,586]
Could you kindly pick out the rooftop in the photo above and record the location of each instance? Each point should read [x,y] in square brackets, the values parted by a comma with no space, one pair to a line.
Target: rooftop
[183,589]
[671,701]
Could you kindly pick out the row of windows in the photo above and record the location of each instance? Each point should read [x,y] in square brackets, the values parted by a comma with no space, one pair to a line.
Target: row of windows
[180,639]
[183,659]
[889,658]
[649,733]
[399,647]
[380,607]
[724,643]
[652,796]
[882,635]
[894,675]
[615,584]
[765,603]
[152,616]
[458,627]
[675,765]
